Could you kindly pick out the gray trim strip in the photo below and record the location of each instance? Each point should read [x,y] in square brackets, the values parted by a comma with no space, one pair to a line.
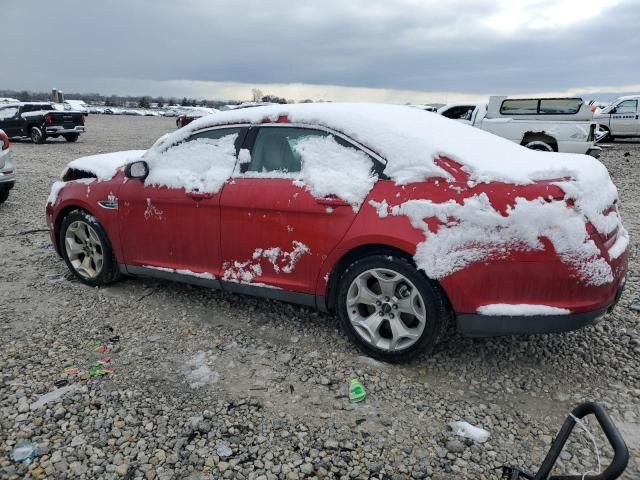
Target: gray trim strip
[173,276]
[473,325]
[306,299]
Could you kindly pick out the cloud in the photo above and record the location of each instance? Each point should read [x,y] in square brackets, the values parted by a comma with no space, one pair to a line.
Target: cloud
[368,47]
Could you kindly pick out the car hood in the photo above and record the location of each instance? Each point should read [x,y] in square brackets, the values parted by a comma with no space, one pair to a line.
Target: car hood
[104,166]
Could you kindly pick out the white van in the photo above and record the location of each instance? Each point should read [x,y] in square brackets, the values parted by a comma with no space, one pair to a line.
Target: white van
[621,118]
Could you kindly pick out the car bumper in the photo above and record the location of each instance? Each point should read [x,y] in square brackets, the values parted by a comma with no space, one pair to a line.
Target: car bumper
[59,130]
[7,172]
[476,325]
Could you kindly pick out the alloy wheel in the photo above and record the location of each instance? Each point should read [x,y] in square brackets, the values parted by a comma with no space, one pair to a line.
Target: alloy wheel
[386,309]
[84,249]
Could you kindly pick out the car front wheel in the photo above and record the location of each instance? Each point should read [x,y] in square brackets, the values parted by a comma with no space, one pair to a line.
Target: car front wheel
[391,310]
[86,249]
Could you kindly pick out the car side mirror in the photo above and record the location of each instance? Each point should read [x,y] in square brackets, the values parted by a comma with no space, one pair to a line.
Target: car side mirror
[139,170]
[613,110]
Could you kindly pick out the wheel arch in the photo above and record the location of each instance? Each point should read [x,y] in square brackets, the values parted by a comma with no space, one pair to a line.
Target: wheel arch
[57,222]
[328,302]
[542,136]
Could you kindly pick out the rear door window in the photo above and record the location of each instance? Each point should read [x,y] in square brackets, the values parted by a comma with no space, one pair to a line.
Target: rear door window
[273,150]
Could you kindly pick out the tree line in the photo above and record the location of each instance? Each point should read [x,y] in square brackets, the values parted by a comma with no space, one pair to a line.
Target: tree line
[144,101]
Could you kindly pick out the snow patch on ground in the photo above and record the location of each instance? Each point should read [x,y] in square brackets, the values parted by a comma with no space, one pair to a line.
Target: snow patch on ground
[474,231]
[54,395]
[197,371]
[466,430]
[106,165]
[202,165]
[521,310]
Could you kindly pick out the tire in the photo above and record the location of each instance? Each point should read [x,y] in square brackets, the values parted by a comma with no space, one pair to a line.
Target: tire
[95,263]
[607,137]
[71,137]
[361,298]
[4,194]
[37,136]
[539,145]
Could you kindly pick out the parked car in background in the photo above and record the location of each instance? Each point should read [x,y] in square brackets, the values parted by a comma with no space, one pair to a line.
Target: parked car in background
[620,119]
[40,120]
[547,124]
[191,114]
[76,106]
[7,169]
[397,220]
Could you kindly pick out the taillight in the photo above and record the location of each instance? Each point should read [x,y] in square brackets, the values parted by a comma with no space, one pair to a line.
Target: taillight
[48,119]
[5,140]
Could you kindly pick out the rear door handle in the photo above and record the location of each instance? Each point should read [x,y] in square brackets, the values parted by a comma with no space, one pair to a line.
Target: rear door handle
[332,202]
[197,196]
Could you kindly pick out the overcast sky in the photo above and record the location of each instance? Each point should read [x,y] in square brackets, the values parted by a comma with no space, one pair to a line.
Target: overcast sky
[389,50]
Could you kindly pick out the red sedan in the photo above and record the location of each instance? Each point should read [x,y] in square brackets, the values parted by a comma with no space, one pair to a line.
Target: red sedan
[398,220]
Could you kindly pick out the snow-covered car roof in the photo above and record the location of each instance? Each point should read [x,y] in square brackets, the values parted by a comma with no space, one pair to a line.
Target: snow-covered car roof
[410,141]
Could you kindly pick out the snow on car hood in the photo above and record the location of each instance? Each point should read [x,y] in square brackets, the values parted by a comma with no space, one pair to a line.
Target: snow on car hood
[104,166]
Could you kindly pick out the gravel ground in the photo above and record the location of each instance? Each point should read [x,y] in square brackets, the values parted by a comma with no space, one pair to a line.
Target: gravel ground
[196,371]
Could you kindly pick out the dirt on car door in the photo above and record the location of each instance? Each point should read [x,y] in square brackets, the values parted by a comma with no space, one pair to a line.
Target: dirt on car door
[274,231]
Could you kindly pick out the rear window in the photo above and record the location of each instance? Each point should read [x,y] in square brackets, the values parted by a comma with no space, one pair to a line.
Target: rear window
[560,105]
[545,106]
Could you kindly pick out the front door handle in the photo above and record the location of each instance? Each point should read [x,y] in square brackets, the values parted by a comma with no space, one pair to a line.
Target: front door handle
[197,196]
[332,202]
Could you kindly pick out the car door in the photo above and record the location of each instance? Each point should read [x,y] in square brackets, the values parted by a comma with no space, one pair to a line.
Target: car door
[624,121]
[10,121]
[165,223]
[275,233]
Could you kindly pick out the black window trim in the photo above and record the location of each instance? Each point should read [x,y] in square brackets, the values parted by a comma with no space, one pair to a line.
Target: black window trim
[537,112]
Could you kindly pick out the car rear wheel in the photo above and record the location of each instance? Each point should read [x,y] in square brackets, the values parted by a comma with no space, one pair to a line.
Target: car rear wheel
[4,194]
[37,136]
[86,249]
[389,309]
[72,137]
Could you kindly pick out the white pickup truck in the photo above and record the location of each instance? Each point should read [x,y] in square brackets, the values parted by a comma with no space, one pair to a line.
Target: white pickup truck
[547,124]
[620,119]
